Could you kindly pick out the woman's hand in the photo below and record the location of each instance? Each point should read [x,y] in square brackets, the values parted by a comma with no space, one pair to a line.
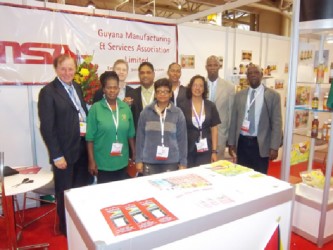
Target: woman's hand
[214,157]
[92,167]
[182,167]
[139,167]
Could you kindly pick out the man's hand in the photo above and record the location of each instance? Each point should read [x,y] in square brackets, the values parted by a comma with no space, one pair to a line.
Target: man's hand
[273,154]
[61,163]
[232,152]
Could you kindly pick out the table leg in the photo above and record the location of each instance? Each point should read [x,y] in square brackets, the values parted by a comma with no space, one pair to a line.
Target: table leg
[8,210]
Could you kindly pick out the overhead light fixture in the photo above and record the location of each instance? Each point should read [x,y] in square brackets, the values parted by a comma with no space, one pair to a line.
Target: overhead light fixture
[91,5]
[149,13]
[179,6]
[329,38]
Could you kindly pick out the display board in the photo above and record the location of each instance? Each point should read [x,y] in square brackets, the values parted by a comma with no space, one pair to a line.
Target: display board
[20,137]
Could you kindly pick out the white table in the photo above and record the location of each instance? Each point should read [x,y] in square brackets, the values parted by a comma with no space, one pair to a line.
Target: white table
[40,179]
[204,221]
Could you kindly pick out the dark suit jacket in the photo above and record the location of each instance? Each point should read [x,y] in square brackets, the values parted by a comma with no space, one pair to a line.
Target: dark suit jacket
[136,105]
[59,121]
[99,93]
[181,95]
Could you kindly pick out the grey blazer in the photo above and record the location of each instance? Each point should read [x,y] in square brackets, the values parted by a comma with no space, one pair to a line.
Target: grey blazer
[270,122]
[225,93]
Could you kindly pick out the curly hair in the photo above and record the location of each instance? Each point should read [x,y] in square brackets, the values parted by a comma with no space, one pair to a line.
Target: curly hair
[106,76]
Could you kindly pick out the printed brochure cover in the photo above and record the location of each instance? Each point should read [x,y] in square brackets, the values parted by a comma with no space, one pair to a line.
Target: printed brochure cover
[136,215]
[228,168]
[180,182]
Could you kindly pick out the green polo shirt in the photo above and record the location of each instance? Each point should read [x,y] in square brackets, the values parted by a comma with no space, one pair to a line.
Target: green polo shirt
[101,130]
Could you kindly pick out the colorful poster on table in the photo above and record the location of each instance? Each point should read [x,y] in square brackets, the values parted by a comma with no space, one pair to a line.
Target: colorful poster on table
[32,38]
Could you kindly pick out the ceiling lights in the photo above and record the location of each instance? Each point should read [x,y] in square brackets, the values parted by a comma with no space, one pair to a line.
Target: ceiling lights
[91,5]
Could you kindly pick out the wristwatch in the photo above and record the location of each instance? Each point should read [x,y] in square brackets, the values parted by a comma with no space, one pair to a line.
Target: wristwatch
[214,151]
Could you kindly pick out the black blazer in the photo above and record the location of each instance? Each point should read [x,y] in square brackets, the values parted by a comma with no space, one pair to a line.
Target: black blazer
[212,119]
[136,105]
[181,95]
[59,121]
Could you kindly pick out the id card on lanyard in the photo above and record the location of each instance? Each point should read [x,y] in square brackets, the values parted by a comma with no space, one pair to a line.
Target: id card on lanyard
[246,123]
[162,152]
[202,144]
[116,147]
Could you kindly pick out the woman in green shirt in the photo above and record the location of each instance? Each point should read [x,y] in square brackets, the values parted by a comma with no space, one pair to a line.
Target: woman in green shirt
[110,133]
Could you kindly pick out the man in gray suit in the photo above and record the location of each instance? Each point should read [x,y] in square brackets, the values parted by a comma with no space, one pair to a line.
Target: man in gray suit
[255,132]
[222,93]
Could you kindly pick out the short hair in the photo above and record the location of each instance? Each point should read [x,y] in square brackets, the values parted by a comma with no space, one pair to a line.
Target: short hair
[106,76]
[146,64]
[62,57]
[120,61]
[163,82]
[252,65]
[190,85]
[174,63]
[213,57]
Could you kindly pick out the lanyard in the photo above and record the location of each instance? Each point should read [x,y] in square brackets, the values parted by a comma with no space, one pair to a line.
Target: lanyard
[162,121]
[71,92]
[115,119]
[144,99]
[199,118]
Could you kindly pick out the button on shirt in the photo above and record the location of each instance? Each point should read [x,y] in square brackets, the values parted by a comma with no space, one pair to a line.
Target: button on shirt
[259,101]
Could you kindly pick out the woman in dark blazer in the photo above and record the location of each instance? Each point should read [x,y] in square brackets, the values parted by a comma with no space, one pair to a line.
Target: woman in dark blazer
[202,119]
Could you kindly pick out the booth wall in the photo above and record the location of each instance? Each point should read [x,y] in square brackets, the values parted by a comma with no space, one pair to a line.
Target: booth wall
[21,140]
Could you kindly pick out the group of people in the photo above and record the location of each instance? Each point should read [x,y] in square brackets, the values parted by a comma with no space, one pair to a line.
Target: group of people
[161,125]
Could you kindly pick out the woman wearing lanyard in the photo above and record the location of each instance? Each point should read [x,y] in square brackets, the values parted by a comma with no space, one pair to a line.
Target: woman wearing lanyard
[202,119]
[110,133]
[161,140]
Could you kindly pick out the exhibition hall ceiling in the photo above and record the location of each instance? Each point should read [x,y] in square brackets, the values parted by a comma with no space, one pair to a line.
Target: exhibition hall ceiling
[176,9]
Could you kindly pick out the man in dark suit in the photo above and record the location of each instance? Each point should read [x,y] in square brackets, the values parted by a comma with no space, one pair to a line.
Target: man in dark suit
[144,94]
[255,131]
[62,112]
[178,90]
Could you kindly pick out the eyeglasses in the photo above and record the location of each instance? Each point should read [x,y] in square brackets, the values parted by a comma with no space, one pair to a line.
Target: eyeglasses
[162,92]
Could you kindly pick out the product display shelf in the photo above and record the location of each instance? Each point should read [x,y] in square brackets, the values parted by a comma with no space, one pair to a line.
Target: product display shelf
[313,207]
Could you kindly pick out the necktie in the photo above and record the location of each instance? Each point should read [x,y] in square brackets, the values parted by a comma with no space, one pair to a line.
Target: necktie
[76,102]
[252,113]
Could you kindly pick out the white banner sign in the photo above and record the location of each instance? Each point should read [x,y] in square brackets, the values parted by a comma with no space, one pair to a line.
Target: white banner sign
[32,38]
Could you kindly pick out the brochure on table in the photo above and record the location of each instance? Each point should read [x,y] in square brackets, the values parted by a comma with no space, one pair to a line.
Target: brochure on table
[185,195]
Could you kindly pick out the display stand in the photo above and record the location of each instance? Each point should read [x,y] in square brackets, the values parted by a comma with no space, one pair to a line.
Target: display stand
[213,211]
[312,209]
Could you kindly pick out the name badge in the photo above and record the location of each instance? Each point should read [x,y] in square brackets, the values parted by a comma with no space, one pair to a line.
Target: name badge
[162,153]
[202,145]
[116,149]
[245,126]
[83,128]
